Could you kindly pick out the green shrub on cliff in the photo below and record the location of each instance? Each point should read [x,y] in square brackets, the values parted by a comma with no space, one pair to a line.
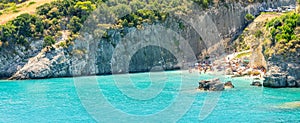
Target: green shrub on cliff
[61,15]
[52,18]
[249,17]
[258,33]
[17,30]
[48,41]
[204,3]
[75,24]
[284,39]
[49,19]
[10,3]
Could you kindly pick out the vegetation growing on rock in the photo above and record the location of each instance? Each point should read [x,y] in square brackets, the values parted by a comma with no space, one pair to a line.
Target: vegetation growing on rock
[52,18]
[48,41]
[204,3]
[249,17]
[29,33]
[284,34]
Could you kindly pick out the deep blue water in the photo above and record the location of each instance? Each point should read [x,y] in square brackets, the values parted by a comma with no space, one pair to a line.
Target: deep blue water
[143,97]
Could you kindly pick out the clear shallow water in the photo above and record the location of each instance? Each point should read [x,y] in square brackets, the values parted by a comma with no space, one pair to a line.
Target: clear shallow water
[58,100]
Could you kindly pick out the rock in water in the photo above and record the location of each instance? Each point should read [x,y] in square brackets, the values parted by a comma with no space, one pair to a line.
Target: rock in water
[282,72]
[229,85]
[256,83]
[217,87]
[275,80]
[291,81]
[211,85]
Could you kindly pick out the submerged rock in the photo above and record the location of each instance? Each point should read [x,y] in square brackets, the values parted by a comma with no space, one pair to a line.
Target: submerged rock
[290,105]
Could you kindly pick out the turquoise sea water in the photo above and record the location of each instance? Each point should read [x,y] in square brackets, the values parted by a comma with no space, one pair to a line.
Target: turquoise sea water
[152,97]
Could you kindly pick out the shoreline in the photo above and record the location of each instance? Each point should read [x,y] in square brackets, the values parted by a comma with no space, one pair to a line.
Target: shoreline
[209,73]
[106,74]
[211,69]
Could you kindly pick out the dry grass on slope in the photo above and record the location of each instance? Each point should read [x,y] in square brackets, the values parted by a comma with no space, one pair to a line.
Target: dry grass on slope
[26,7]
[253,37]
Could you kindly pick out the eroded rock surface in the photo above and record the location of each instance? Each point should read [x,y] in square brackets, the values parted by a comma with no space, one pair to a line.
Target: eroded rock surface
[211,85]
[282,73]
[92,55]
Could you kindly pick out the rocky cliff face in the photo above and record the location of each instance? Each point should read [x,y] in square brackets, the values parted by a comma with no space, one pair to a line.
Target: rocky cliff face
[283,72]
[191,36]
[15,58]
[50,62]
[283,69]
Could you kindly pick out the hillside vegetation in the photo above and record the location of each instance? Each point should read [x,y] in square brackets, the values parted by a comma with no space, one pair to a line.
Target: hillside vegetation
[10,3]
[50,19]
[284,36]
[15,9]
[271,34]
[278,32]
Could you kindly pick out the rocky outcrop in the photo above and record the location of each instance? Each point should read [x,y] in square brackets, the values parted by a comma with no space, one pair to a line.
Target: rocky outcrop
[256,83]
[92,55]
[15,57]
[229,85]
[211,85]
[51,62]
[214,85]
[280,80]
[282,73]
